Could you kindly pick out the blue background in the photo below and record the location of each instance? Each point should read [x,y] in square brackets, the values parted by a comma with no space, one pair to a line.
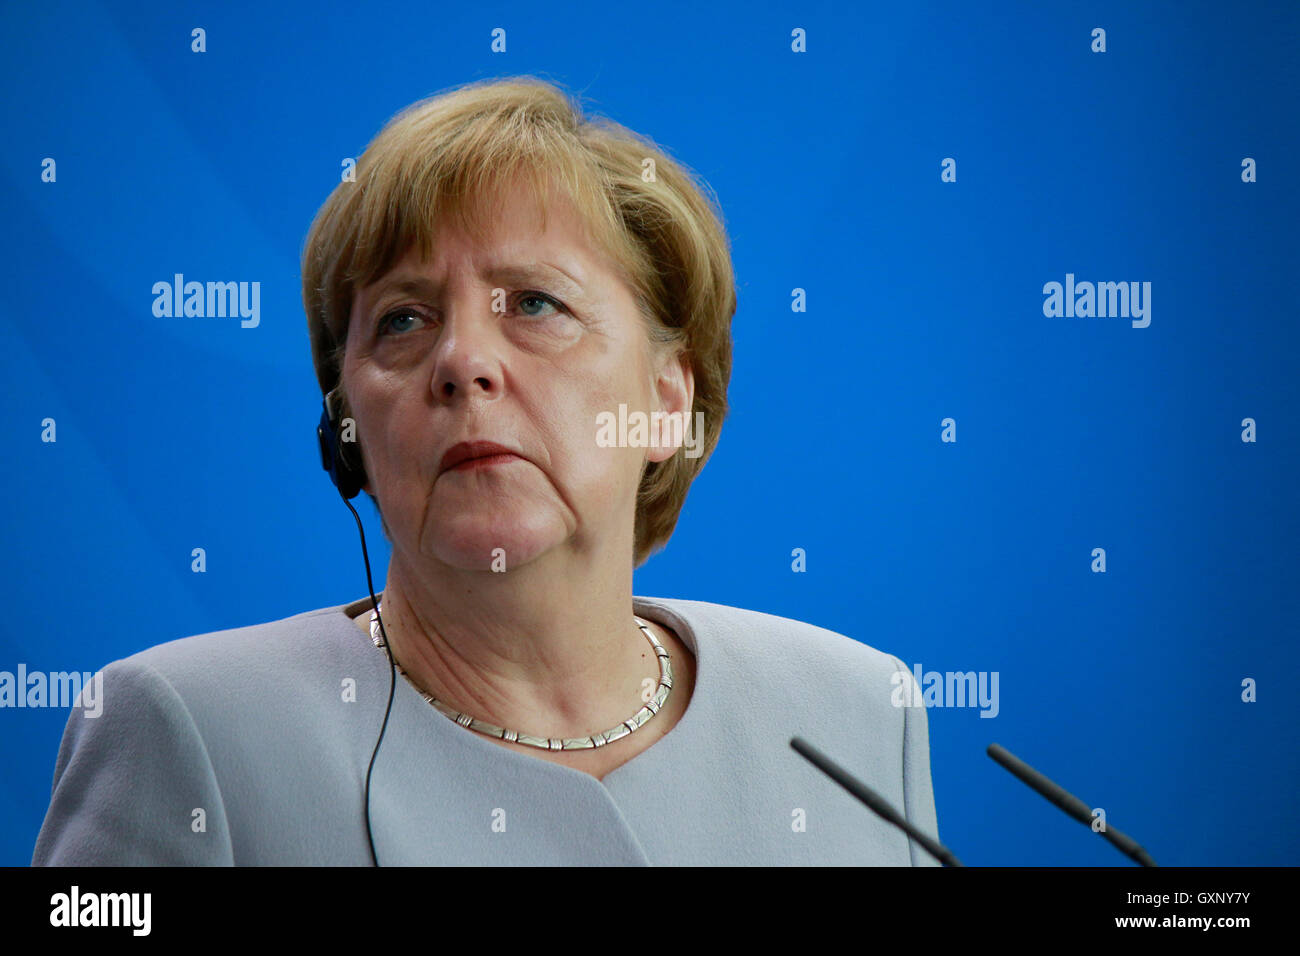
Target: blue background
[924,302]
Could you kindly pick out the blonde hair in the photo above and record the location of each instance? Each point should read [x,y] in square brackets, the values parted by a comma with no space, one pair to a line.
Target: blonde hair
[444,155]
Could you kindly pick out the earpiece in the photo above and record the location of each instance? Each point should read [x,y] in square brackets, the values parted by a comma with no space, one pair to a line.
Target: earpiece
[347,477]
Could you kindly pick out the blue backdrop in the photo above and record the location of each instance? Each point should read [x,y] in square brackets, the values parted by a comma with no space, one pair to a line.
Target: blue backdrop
[921,171]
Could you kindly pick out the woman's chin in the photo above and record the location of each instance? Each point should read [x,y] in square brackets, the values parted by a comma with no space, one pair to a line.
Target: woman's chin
[499,545]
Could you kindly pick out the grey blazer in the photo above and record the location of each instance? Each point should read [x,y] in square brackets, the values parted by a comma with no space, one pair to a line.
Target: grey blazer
[250,746]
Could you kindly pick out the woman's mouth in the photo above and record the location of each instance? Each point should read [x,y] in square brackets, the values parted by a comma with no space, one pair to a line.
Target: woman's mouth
[467,455]
[486,461]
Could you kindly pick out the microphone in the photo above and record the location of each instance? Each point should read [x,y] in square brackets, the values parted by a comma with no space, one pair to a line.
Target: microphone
[872,799]
[1068,802]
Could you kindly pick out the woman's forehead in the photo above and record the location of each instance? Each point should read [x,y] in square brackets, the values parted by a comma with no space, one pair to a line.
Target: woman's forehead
[516,240]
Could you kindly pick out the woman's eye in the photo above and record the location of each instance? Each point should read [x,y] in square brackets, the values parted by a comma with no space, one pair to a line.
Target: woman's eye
[531,304]
[529,300]
[396,322]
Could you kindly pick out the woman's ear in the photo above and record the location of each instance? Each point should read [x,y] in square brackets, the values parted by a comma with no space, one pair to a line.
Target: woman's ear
[672,426]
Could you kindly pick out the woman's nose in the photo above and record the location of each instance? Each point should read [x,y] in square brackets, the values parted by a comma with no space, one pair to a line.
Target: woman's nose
[468,361]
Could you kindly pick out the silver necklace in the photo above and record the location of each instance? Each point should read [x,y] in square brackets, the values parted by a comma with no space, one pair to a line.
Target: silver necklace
[635,722]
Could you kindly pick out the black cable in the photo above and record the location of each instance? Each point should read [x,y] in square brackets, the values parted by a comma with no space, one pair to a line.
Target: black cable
[392,670]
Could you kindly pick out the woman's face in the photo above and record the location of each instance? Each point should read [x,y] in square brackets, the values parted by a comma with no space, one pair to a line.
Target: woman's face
[522,341]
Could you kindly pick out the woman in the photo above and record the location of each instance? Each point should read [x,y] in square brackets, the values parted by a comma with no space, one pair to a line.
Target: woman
[502,278]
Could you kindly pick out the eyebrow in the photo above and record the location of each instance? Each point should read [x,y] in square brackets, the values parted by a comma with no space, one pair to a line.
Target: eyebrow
[520,273]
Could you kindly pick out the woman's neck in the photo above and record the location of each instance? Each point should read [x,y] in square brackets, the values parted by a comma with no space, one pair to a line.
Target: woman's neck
[541,649]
